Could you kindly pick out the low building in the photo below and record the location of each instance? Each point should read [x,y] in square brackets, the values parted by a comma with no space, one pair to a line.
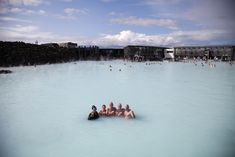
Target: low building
[111,53]
[140,53]
[88,52]
[68,45]
[222,52]
[55,45]
[169,54]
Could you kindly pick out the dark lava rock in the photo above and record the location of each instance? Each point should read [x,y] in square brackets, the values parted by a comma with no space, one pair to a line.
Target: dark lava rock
[5,71]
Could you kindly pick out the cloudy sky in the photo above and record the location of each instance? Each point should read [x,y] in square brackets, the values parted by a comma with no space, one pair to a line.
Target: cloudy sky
[119,22]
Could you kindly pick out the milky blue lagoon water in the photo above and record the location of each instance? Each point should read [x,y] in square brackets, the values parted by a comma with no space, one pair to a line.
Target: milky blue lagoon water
[182,110]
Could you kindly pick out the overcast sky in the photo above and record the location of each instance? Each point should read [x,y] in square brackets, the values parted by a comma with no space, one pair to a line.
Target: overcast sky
[119,22]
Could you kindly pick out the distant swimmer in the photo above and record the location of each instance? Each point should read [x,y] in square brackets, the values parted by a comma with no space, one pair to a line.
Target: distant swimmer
[128,113]
[120,69]
[94,114]
[103,111]
[212,65]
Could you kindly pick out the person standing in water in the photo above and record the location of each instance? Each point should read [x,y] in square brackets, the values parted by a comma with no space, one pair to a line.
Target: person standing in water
[120,111]
[94,114]
[103,111]
[128,113]
[111,111]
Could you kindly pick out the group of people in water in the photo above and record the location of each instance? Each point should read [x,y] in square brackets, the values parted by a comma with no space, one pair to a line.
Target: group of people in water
[111,111]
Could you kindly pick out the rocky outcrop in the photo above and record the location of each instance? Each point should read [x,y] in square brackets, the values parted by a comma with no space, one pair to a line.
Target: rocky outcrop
[5,71]
[20,53]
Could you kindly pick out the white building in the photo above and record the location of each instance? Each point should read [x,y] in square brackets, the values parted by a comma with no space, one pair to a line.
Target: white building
[169,54]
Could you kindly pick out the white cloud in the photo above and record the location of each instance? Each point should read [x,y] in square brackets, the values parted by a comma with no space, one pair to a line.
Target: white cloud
[72,11]
[27,33]
[42,12]
[112,13]
[131,38]
[65,17]
[24,29]
[15,10]
[175,38]
[145,22]
[6,18]
[23,2]
[34,12]
[22,11]
[31,33]
[117,14]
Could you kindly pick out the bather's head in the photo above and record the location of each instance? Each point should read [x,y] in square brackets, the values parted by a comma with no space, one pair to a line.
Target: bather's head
[111,105]
[93,108]
[120,106]
[127,107]
[104,106]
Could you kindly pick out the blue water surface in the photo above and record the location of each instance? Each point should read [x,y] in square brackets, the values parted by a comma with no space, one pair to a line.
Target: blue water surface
[182,110]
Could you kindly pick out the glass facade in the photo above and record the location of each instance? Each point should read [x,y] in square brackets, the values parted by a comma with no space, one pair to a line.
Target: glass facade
[145,52]
[210,52]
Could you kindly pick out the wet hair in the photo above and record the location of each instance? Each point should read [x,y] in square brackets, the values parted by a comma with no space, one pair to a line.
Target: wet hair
[93,107]
[104,105]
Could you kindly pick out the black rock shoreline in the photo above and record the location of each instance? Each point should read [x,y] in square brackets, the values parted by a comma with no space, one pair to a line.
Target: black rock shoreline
[25,54]
[3,71]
